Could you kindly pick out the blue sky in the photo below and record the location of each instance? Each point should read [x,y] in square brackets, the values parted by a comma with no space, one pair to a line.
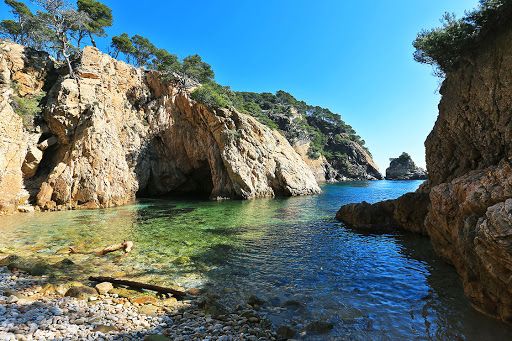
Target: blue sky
[352,56]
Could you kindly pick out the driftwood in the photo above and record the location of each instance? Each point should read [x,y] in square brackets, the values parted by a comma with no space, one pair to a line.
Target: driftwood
[138,285]
[126,246]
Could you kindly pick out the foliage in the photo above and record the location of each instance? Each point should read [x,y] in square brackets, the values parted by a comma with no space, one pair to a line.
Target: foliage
[143,50]
[100,17]
[28,106]
[443,47]
[166,62]
[122,44]
[212,95]
[325,131]
[195,68]
[17,30]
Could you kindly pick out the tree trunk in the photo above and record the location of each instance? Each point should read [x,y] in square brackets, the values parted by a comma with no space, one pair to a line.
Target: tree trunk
[93,42]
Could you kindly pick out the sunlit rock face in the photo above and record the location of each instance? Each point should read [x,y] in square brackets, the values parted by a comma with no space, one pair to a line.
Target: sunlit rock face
[469,162]
[116,131]
[23,71]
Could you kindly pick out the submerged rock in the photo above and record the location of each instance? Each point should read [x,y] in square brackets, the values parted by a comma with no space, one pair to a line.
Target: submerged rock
[285,332]
[403,168]
[320,327]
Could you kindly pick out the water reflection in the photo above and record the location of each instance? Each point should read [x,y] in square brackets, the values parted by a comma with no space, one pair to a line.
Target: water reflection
[290,252]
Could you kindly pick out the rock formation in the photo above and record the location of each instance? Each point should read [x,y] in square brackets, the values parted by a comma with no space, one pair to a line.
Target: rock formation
[326,143]
[469,161]
[115,132]
[403,168]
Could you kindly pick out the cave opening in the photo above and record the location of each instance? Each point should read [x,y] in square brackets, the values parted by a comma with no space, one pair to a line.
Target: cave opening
[196,184]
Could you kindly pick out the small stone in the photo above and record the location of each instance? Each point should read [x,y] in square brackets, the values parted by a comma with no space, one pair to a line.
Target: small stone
[56,311]
[194,291]
[253,319]
[12,299]
[156,337]
[148,309]
[82,293]
[80,321]
[104,287]
[144,300]
[255,300]
[104,329]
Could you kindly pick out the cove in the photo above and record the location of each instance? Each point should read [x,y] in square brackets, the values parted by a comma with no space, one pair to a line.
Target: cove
[291,253]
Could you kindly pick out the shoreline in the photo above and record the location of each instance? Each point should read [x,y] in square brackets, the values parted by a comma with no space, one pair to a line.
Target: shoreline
[32,308]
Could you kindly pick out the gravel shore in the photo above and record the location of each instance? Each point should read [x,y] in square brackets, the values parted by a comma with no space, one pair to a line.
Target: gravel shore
[33,309]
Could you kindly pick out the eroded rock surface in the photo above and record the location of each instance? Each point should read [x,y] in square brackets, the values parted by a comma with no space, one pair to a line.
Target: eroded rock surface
[23,71]
[116,131]
[469,162]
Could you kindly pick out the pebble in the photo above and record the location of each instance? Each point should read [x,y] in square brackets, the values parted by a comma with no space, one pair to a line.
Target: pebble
[31,316]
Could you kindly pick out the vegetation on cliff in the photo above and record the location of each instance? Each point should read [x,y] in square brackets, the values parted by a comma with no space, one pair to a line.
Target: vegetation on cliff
[444,47]
[61,27]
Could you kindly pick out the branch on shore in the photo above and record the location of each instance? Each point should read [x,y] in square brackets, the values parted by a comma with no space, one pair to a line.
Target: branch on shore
[138,285]
[126,246]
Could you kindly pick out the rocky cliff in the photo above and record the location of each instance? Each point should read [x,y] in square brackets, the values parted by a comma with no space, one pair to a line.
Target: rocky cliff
[116,132]
[329,146]
[403,168]
[469,161]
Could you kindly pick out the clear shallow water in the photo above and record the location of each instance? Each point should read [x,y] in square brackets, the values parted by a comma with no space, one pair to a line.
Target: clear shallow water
[290,252]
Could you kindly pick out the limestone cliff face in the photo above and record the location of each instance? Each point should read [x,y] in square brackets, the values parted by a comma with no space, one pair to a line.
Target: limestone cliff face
[27,71]
[403,168]
[116,131]
[469,162]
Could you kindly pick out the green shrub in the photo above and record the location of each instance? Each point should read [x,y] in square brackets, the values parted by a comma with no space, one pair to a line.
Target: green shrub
[28,106]
[444,46]
[212,95]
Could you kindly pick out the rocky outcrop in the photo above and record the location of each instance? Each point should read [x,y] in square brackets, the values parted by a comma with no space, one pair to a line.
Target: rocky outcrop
[403,168]
[408,212]
[115,132]
[469,162]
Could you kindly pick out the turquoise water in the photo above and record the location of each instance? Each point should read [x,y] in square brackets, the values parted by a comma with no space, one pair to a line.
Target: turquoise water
[290,252]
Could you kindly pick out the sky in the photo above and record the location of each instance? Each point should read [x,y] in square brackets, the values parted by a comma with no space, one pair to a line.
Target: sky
[351,56]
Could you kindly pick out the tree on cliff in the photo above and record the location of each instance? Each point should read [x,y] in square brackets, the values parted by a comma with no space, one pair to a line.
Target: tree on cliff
[122,44]
[56,26]
[144,50]
[17,30]
[443,47]
[100,17]
[195,68]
